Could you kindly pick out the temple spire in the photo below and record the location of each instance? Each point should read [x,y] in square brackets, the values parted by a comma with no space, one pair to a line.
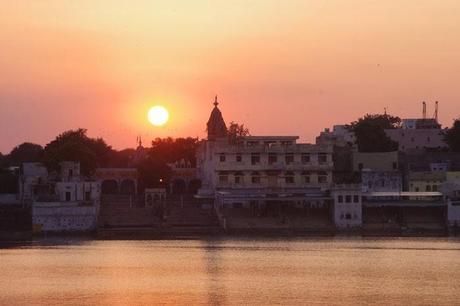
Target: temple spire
[216,125]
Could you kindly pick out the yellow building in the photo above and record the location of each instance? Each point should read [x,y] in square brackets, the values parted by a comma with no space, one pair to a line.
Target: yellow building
[452,176]
[425,181]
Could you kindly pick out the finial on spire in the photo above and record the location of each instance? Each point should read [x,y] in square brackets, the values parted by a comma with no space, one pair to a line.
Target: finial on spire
[215,101]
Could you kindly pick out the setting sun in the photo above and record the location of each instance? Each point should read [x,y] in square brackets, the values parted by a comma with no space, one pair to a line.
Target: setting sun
[158,115]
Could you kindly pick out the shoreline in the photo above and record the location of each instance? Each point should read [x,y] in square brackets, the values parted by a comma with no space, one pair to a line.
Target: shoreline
[134,234]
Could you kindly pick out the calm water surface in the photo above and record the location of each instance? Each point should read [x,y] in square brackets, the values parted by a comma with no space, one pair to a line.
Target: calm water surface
[232,271]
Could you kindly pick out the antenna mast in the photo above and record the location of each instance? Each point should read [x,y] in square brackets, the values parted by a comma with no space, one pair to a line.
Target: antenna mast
[424,109]
[436,111]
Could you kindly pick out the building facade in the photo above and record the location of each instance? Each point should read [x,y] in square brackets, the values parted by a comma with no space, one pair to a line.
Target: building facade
[268,163]
[262,175]
[347,209]
[418,134]
[71,204]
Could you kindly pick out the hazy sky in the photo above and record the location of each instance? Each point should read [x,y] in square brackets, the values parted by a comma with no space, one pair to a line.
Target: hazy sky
[280,67]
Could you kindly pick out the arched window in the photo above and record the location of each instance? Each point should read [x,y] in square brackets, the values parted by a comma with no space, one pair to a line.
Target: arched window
[128,187]
[109,187]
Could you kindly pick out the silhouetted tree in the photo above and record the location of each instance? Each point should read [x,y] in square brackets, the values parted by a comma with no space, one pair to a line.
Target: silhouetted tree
[3,161]
[236,132]
[122,158]
[154,170]
[452,136]
[8,181]
[75,145]
[26,152]
[153,173]
[370,134]
[169,150]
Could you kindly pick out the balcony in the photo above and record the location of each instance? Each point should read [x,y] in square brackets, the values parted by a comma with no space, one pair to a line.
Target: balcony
[280,166]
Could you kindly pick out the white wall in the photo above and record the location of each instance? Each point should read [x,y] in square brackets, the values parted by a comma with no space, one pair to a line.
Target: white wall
[54,217]
[453,212]
[347,214]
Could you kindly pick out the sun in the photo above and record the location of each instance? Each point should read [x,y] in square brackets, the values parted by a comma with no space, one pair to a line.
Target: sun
[158,115]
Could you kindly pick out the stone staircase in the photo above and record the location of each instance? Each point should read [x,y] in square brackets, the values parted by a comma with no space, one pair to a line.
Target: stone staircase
[188,216]
[126,211]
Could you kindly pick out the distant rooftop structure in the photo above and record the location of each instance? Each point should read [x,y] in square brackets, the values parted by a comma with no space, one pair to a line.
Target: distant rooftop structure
[424,122]
[420,123]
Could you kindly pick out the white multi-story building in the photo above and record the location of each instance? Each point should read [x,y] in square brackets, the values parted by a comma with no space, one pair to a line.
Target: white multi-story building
[347,206]
[417,134]
[255,170]
[64,203]
[340,136]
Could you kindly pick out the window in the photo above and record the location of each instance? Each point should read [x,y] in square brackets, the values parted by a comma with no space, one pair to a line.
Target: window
[395,165]
[222,158]
[255,177]
[238,177]
[322,177]
[255,158]
[272,158]
[428,188]
[360,166]
[68,196]
[305,158]
[87,196]
[70,172]
[340,199]
[223,177]
[356,198]
[289,177]
[435,188]
[348,198]
[239,158]
[322,158]
[306,177]
[289,158]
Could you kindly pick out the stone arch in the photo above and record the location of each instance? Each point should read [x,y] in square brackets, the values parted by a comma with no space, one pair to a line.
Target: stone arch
[127,186]
[178,186]
[194,185]
[109,187]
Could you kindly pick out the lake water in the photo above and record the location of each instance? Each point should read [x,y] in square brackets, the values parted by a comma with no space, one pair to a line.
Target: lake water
[329,271]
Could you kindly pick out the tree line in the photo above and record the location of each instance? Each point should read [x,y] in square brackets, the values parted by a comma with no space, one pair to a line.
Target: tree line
[75,145]
[371,137]
[153,167]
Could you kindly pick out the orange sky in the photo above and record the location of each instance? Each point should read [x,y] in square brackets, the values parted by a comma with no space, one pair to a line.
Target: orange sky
[280,67]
